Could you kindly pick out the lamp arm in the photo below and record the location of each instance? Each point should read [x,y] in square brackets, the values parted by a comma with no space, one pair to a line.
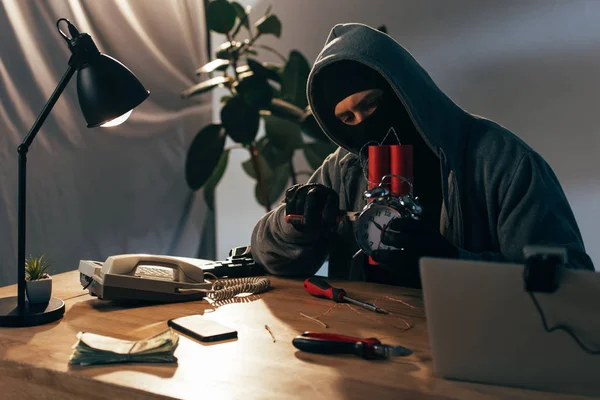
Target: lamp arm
[22,150]
[48,107]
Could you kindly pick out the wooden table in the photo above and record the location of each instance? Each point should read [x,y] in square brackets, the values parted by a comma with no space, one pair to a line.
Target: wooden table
[35,365]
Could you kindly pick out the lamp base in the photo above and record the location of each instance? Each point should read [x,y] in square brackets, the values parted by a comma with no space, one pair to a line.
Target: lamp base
[32,315]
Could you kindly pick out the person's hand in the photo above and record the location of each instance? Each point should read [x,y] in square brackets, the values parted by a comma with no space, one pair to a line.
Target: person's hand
[412,239]
[316,203]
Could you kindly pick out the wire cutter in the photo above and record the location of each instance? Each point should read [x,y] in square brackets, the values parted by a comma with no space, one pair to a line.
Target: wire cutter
[330,343]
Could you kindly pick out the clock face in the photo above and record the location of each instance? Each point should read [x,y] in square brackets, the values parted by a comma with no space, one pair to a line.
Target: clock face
[370,226]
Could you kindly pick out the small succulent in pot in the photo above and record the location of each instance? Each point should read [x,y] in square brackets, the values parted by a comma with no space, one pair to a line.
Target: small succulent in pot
[38,281]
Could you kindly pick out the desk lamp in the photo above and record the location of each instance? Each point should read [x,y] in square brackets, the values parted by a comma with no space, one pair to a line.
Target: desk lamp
[108,92]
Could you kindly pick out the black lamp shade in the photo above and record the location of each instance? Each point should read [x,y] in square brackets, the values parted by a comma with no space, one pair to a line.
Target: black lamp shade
[107,89]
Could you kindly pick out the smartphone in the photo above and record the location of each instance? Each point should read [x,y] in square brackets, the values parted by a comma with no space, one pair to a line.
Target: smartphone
[202,328]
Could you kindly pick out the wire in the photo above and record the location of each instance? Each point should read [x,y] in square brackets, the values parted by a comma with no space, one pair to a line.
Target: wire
[223,289]
[561,328]
[74,296]
[90,280]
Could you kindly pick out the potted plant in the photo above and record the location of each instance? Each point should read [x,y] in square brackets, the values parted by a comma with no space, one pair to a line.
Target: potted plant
[38,284]
[271,92]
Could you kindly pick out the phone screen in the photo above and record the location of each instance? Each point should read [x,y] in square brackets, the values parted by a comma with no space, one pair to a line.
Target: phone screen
[202,328]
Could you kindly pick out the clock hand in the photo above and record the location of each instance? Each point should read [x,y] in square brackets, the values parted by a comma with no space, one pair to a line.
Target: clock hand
[377,225]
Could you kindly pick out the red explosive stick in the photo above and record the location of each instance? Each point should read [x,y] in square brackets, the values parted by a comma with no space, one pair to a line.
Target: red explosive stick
[379,164]
[401,163]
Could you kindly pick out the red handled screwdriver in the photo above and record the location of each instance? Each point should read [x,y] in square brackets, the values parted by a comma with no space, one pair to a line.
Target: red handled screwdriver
[320,288]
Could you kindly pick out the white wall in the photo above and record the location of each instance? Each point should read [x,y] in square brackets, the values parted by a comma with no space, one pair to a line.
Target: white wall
[533,66]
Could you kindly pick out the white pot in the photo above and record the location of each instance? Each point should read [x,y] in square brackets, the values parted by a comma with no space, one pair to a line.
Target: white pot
[39,291]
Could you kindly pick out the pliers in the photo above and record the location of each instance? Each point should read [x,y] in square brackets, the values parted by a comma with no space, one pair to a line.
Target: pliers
[330,343]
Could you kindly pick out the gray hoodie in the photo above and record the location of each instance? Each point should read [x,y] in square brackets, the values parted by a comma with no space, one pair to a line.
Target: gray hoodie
[498,194]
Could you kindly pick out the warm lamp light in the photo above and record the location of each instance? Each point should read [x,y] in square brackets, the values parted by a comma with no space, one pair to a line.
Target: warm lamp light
[108,92]
[118,120]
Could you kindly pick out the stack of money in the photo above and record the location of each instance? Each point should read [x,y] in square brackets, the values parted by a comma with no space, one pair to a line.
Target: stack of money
[97,349]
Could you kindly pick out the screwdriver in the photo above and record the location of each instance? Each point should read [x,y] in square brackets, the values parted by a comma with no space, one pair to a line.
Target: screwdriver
[320,288]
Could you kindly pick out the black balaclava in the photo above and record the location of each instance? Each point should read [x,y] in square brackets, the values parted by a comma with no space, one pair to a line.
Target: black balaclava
[344,78]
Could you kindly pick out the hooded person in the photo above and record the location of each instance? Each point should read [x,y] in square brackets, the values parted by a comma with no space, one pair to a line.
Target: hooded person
[485,193]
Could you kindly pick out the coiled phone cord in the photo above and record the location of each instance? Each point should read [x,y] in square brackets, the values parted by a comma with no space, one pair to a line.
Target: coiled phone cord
[224,289]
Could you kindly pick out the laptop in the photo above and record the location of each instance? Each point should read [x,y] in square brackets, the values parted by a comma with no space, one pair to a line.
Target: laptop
[483,326]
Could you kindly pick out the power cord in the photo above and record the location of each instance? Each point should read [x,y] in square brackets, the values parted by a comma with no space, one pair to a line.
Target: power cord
[542,274]
[561,327]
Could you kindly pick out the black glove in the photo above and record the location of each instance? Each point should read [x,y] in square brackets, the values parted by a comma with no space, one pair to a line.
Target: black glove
[412,239]
[318,204]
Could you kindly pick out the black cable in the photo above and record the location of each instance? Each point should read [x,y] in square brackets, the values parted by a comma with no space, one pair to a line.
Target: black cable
[90,280]
[561,328]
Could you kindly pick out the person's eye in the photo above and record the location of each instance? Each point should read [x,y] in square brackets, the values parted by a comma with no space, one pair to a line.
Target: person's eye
[347,119]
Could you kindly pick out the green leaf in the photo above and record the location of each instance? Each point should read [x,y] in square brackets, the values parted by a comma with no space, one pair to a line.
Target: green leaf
[220,16]
[269,24]
[255,90]
[275,156]
[215,178]
[242,15]
[205,86]
[316,153]
[265,170]
[245,75]
[293,79]
[240,120]
[283,109]
[277,68]
[36,268]
[270,155]
[277,183]
[283,133]
[242,69]
[223,51]
[310,126]
[203,155]
[262,71]
[218,64]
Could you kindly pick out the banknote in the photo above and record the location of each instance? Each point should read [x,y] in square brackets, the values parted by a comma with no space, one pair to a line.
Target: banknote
[92,348]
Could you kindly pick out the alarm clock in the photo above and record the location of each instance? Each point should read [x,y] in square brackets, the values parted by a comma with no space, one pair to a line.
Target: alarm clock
[382,207]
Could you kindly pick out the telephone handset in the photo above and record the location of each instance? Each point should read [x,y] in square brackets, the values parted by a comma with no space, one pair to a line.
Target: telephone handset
[154,267]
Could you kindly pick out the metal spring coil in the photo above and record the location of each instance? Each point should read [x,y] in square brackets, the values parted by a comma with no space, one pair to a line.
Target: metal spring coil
[227,288]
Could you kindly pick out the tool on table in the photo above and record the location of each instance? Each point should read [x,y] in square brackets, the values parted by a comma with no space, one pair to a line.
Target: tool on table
[299,219]
[320,288]
[329,343]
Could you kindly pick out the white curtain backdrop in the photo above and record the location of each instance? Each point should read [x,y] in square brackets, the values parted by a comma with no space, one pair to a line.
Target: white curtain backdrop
[97,192]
